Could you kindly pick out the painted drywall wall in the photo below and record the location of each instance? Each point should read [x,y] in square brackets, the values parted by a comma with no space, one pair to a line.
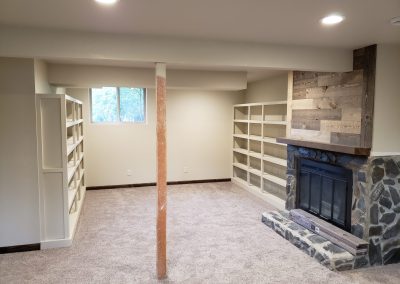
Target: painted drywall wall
[42,85]
[74,75]
[189,52]
[199,137]
[19,193]
[270,89]
[386,130]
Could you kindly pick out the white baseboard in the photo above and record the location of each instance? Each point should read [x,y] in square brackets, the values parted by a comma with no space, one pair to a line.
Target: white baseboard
[267,197]
[55,244]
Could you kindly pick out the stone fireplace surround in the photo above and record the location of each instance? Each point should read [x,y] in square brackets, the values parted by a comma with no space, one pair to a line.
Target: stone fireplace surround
[375,211]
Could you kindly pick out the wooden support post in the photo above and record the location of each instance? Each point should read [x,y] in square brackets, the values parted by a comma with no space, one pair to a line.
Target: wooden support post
[161,171]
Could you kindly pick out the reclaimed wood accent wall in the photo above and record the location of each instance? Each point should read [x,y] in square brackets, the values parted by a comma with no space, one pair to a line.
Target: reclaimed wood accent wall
[335,108]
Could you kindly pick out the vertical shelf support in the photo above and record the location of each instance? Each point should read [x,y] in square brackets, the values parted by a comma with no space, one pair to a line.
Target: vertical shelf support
[161,171]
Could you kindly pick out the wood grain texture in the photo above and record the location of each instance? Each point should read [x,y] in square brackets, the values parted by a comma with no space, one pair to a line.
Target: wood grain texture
[299,94]
[334,107]
[316,114]
[306,83]
[304,75]
[365,59]
[334,91]
[336,79]
[351,114]
[306,124]
[313,135]
[341,102]
[353,127]
[345,138]
[161,172]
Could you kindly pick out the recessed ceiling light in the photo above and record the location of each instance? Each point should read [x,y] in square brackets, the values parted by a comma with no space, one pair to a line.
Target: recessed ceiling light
[332,19]
[106,2]
[395,21]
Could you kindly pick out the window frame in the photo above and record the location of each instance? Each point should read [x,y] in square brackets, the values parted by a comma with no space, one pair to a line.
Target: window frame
[118,108]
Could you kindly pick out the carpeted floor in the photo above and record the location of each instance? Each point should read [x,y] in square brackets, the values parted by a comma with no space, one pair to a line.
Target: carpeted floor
[214,236]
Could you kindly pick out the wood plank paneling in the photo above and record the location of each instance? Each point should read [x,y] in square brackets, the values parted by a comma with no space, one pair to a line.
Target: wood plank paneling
[312,135]
[345,138]
[341,102]
[336,79]
[334,91]
[303,104]
[304,75]
[299,94]
[306,124]
[335,107]
[365,59]
[316,114]
[353,127]
[351,114]
[306,83]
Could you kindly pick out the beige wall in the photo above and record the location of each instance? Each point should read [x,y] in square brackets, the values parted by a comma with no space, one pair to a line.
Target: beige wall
[74,75]
[270,89]
[386,129]
[199,132]
[42,85]
[19,194]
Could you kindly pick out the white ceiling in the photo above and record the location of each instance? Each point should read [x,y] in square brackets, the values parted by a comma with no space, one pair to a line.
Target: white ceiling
[268,21]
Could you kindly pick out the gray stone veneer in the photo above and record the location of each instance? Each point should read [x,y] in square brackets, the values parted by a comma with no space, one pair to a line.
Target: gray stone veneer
[375,215]
[319,248]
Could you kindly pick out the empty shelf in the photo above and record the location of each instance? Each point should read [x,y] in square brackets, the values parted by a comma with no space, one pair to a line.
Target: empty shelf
[272,140]
[275,160]
[275,179]
[255,171]
[244,136]
[240,166]
[241,150]
[277,122]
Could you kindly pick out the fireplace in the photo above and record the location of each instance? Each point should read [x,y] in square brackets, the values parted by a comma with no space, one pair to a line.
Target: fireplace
[325,190]
[372,207]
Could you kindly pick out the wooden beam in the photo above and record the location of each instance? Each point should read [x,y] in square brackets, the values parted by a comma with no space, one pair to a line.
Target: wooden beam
[365,59]
[161,171]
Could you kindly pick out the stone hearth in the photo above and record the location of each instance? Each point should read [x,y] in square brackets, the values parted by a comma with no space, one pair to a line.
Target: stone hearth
[319,248]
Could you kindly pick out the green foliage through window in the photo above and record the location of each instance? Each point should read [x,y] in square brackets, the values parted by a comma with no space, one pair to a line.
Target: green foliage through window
[118,104]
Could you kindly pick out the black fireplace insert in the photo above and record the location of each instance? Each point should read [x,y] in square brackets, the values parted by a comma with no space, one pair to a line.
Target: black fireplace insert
[325,190]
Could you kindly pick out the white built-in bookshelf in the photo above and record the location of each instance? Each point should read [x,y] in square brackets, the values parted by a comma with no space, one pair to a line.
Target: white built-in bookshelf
[259,161]
[61,167]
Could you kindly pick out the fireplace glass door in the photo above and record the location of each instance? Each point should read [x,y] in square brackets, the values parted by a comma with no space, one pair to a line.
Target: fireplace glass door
[325,190]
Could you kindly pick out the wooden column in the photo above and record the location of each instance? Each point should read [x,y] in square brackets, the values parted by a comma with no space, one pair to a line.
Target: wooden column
[161,171]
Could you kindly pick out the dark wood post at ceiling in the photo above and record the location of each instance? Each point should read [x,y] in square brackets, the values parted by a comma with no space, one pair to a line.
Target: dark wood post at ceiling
[161,171]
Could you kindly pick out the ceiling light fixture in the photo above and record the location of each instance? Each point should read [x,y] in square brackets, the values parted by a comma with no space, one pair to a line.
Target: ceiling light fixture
[332,19]
[395,21]
[106,2]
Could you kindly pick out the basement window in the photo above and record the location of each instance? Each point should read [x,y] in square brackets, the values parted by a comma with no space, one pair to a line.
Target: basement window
[118,105]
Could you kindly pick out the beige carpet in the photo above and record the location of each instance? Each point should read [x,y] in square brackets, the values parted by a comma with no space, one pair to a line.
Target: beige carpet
[214,236]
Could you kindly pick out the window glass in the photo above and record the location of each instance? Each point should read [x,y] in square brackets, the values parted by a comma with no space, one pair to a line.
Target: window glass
[132,104]
[118,104]
[104,104]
